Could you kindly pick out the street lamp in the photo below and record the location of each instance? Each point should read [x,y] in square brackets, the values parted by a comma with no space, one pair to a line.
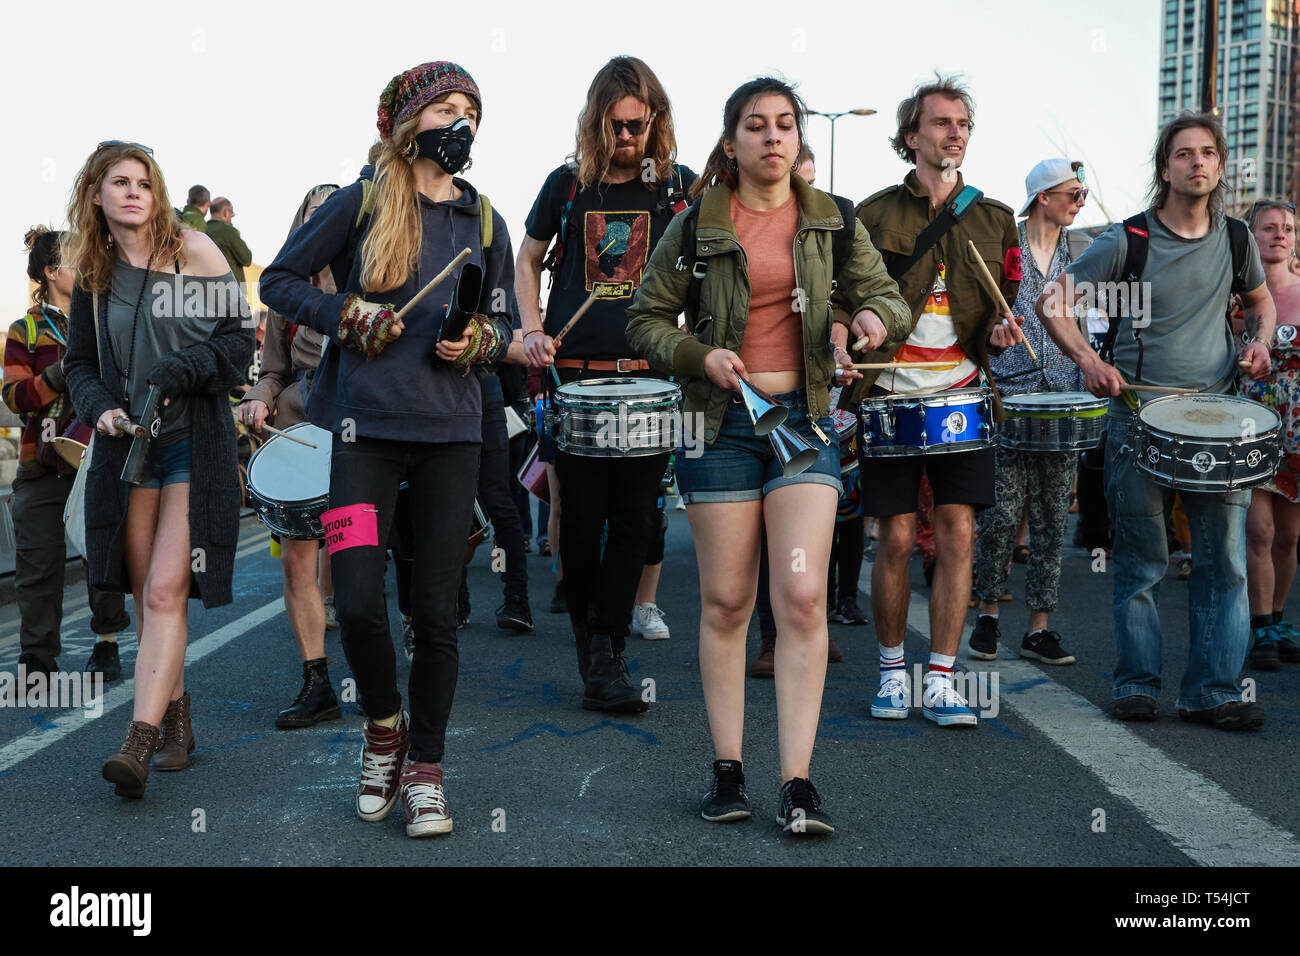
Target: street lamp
[833,117]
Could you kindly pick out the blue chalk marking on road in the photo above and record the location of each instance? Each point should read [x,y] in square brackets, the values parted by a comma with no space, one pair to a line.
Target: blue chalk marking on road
[212,748]
[843,728]
[42,722]
[537,730]
[995,724]
[512,672]
[239,705]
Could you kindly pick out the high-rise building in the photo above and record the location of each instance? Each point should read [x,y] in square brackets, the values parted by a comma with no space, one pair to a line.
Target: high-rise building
[1255,90]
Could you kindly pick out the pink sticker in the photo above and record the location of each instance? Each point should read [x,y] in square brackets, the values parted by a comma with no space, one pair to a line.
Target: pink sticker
[352,526]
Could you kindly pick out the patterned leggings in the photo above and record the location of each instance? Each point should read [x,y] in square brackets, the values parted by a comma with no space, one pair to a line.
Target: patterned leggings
[1041,479]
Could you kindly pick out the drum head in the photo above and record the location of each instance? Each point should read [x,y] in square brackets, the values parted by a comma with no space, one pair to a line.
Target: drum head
[618,388]
[1208,416]
[283,470]
[1049,400]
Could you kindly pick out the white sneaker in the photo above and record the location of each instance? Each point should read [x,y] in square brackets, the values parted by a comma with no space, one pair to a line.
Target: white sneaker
[331,619]
[648,622]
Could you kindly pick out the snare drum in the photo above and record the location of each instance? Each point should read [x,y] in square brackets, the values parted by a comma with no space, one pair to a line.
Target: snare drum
[931,423]
[1208,443]
[289,484]
[1053,421]
[617,417]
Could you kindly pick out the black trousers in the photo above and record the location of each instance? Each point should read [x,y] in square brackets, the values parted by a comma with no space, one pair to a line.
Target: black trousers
[367,472]
[1094,521]
[623,492]
[496,493]
[39,561]
[846,557]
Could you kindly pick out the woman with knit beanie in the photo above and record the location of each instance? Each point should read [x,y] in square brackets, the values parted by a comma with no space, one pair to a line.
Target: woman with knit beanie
[154,305]
[402,407]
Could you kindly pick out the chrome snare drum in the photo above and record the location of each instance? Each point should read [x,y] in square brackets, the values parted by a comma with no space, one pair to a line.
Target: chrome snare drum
[929,423]
[1208,443]
[617,417]
[289,484]
[1053,421]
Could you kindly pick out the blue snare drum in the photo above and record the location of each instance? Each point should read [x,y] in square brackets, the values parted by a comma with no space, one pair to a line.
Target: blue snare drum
[930,423]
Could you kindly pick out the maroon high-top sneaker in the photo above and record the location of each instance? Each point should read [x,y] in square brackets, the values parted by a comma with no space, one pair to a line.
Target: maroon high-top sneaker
[381,767]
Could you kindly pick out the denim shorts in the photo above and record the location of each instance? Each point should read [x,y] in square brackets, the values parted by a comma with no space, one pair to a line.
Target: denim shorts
[740,466]
[168,464]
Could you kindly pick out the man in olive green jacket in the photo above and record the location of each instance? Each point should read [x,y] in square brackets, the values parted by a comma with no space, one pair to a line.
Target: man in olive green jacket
[197,203]
[862,287]
[223,232]
[954,317]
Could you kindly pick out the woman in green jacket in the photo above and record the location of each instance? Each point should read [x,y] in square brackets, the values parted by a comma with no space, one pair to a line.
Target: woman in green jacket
[764,241]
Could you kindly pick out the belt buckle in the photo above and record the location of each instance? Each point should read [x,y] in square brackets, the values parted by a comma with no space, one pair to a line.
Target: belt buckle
[618,365]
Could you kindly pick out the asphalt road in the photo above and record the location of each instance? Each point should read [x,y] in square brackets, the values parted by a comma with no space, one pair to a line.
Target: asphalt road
[532,778]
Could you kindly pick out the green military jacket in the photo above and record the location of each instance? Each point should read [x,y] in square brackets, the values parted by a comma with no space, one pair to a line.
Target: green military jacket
[894,217]
[724,299]
[232,246]
[192,217]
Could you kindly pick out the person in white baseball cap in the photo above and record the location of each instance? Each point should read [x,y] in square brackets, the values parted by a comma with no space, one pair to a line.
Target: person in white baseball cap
[1049,174]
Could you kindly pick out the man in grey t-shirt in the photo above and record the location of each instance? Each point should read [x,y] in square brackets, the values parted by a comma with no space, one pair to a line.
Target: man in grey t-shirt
[1184,342]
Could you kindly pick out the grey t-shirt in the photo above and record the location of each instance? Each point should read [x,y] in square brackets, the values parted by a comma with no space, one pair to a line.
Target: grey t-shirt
[177,311]
[1188,342]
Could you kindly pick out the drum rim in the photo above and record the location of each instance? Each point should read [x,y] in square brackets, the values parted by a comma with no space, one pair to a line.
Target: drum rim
[974,396]
[266,444]
[1015,404]
[661,387]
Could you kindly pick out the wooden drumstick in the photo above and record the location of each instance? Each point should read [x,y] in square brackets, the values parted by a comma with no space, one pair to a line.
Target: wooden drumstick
[997,294]
[282,434]
[122,423]
[863,366]
[576,316]
[433,284]
[1165,389]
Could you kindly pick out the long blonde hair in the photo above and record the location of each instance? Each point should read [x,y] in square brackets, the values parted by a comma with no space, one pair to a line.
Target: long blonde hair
[393,243]
[88,245]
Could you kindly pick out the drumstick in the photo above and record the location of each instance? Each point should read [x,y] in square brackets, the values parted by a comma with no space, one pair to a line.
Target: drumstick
[1166,389]
[997,294]
[433,284]
[122,423]
[862,366]
[576,316]
[282,434]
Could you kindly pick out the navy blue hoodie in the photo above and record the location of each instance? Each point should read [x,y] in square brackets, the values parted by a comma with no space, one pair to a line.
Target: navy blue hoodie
[406,392]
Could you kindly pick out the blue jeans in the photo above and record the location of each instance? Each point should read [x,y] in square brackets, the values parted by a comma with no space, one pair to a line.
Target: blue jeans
[1218,609]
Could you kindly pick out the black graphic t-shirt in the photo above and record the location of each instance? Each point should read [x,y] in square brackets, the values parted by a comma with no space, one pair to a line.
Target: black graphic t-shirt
[609,235]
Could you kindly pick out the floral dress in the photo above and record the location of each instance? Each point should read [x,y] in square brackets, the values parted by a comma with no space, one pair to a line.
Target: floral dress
[1280,390]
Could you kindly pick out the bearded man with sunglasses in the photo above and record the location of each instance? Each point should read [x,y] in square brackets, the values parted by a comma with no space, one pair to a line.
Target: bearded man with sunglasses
[607,209]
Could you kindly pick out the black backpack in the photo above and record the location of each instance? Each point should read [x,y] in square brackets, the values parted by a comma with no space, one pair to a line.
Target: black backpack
[841,251]
[1135,262]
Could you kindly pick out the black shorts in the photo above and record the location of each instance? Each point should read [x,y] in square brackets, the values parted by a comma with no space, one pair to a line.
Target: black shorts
[890,485]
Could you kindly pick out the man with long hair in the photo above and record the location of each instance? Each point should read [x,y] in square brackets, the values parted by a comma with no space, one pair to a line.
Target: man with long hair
[608,207]
[954,319]
[1180,338]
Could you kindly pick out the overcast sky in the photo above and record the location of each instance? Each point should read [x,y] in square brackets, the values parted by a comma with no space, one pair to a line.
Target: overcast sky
[260,101]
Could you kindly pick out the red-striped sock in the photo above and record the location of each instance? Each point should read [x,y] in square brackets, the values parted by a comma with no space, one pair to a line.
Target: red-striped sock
[940,668]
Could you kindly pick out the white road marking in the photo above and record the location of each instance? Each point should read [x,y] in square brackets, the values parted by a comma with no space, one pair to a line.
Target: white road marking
[586,781]
[1201,818]
[67,723]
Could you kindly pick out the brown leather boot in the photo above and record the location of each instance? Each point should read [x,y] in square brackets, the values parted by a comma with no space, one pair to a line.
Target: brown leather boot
[129,769]
[833,654]
[765,664]
[177,736]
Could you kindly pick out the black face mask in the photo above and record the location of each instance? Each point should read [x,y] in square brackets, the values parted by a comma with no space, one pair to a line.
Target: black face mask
[448,146]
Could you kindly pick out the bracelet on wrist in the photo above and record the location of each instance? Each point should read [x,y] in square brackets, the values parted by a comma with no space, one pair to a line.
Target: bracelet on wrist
[535,332]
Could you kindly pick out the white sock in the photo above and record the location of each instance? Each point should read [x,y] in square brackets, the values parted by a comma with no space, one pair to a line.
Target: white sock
[891,663]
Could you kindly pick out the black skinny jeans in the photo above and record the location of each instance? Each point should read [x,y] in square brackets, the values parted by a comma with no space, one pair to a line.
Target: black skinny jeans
[442,476]
[601,588]
[496,495]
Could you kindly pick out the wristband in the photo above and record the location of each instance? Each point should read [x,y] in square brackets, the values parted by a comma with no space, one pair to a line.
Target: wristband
[534,332]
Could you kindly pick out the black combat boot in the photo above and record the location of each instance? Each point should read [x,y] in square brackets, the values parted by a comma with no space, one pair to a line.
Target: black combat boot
[609,686]
[315,702]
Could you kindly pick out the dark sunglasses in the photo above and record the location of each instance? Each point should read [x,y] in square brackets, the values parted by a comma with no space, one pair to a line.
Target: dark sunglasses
[110,143]
[1076,195]
[1273,204]
[634,127]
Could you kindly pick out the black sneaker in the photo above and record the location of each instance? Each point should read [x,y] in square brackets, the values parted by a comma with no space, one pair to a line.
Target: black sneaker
[1044,646]
[1263,650]
[801,810]
[33,664]
[726,801]
[408,639]
[462,612]
[984,638]
[104,660]
[544,547]
[559,603]
[848,612]
[514,615]
[1232,715]
[1135,707]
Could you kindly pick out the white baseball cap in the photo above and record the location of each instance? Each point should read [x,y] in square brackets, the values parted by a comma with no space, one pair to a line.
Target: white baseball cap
[1047,174]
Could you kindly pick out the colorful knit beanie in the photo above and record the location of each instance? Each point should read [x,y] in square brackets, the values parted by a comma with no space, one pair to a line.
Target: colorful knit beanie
[408,93]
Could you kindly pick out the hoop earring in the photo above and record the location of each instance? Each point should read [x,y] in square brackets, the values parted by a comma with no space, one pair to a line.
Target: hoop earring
[410,151]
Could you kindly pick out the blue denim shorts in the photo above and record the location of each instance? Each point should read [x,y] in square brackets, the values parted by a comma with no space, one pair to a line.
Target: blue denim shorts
[168,464]
[740,466]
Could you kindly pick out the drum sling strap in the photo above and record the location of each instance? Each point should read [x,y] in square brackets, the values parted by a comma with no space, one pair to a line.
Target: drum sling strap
[935,230]
[1135,261]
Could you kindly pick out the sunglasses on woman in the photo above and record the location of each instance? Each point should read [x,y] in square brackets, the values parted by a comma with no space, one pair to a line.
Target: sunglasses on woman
[110,143]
